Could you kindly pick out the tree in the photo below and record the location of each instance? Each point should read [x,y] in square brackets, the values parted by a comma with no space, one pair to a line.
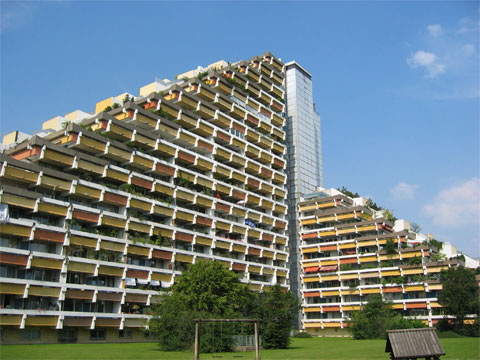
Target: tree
[459,293]
[415,227]
[377,316]
[276,309]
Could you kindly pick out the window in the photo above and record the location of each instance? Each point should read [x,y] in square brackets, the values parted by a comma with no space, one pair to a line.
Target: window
[98,334]
[67,335]
[31,334]
[125,334]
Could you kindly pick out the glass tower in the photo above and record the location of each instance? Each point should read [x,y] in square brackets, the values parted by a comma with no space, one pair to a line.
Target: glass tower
[304,154]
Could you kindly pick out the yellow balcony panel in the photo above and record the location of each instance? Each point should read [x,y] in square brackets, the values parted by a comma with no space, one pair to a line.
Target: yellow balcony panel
[239,248]
[347,246]
[268,254]
[184,216]
[10,320]
[139,204]
[254,269]
[163,232]
[144,141]
[239,212]
[280,209]
[350,292]
[252,168]
[116,175]
[280,193]
[49,321]
[83,241]
[281,257]
[89,144]
[238,161]
[187,101]
[277,120]
[184,195]
[310,250]
[58,184]
[203,165]
[346,231]
[204,182]
[265,143]
[389,257]
[222,121]
[119,132]
[265,127]
[328,233]
[161,277]
[348,276]
[222,244]
[412,271]
[56,157]
[47,263]
[253,200]
[312,309]
[411,254]
[205,112]
[222,225]
[43,291]
[222,154]
[186,121]
[255,287]
[239,143]
[366,228]
[345,216]
[138,250]
[266,189]
[143,228]
[223,189]
[415,288]
[252,137]
[266,204]
[238,112]
[87,192]
[435,287]
[278,179]
[391,273]
[165,149]
[367,243]
[110,271]
[371,291]
[309,263]
[81,267]
[163,210]
[239,177]
[315,325]
[307,208]
[20,175]
[14,200]
[330,293]
[13,289]
[434,269]
[326,219]
[254,233]
[397,306]
[204,202]
[118,154]
[142,162]
[252,152]
[267,271]
[163,189]
[329,262]
[281,273]
[350,308]
[184,258]
[113,246]
[368,259]
[91,167]
[253,216]
[326,205]
[200,240]
[16,230]
[266,219]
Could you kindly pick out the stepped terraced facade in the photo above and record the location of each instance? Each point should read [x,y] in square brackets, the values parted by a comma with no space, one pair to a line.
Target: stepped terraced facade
[106,211]
[344,260]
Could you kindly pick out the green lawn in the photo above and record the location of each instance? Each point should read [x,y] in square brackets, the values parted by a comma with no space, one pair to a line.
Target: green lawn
[314,348]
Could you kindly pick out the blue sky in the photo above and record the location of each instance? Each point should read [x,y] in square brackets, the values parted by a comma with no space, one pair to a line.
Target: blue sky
[396,83]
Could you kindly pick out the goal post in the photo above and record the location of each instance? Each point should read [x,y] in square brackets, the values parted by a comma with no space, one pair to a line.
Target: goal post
[197,333]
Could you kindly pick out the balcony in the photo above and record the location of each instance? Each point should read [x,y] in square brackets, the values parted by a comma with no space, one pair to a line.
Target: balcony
[15,230]
[83,241]
[87,192]
[184,216]
[184,195]
[20,175]
[47,263]
[57,158]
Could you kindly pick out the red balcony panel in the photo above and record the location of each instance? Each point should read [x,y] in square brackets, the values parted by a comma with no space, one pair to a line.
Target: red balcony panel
[137,274]
[279,163]
[104,124]
[265,112]
[253,251]
[311,294]
[205,145]
[49,236]
[239,127]
[267,237]
[186,157]
[153,104]
[159,254]
[252,119]
[280,224]
[223,137]
[165,170]
[222,207]
[348,261]
[311,269]
[253,183]
[238,194]
[203,221]
[35,151]
[239,267]
[147,184]
[328,248]
[267,173]
[277,106]
[115,199]
[85,216]
[184,237]
[13,259]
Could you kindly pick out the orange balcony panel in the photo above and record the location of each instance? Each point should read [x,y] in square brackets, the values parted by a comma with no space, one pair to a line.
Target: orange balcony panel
[85,216]
[36,151]
[253,183]
[114,199]
[239,267]
[160,254]
[222,136]
[186,157]
[184,237]
[348,261]
[328,248]
[147,184]
[253,251]
[13,259]
[222,207]
[266,173]
[310,236]
[238,195]
[49,236]
[311,294]
[331,308]
[265,112]
[279,164]
[280,224]
[239,127]
[416,305]
[164,170]
[252,120]
[267,237]
[137,274]
[108,296]
[395,289]
[200,220]
[204,145]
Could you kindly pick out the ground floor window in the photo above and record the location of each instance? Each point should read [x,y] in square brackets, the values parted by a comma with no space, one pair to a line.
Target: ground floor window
[31,334]
[98,334]
[125,334]
[67,335]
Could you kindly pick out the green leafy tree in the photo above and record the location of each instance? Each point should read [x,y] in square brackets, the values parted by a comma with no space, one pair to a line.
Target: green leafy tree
[276,308]
[390,247]
[460,293]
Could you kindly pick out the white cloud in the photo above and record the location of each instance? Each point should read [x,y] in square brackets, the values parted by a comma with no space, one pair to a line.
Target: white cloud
[15,14]
[427,60]
[466,25]
[435,30]
[468,49]
[456,206]
[403,191]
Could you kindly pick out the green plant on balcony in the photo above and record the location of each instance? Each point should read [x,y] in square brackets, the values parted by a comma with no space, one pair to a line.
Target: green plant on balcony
[115,106]
[137,237]
[107,109]
[126,99]
[390,247]
[346,267]
[401,280]
[162,113]
[65,124]
[368,266]
[88,128]
[417,260]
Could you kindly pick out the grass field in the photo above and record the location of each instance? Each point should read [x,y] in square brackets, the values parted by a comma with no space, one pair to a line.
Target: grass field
[314,348]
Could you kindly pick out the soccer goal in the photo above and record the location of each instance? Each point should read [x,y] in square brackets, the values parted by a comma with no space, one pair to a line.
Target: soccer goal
[198,323]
